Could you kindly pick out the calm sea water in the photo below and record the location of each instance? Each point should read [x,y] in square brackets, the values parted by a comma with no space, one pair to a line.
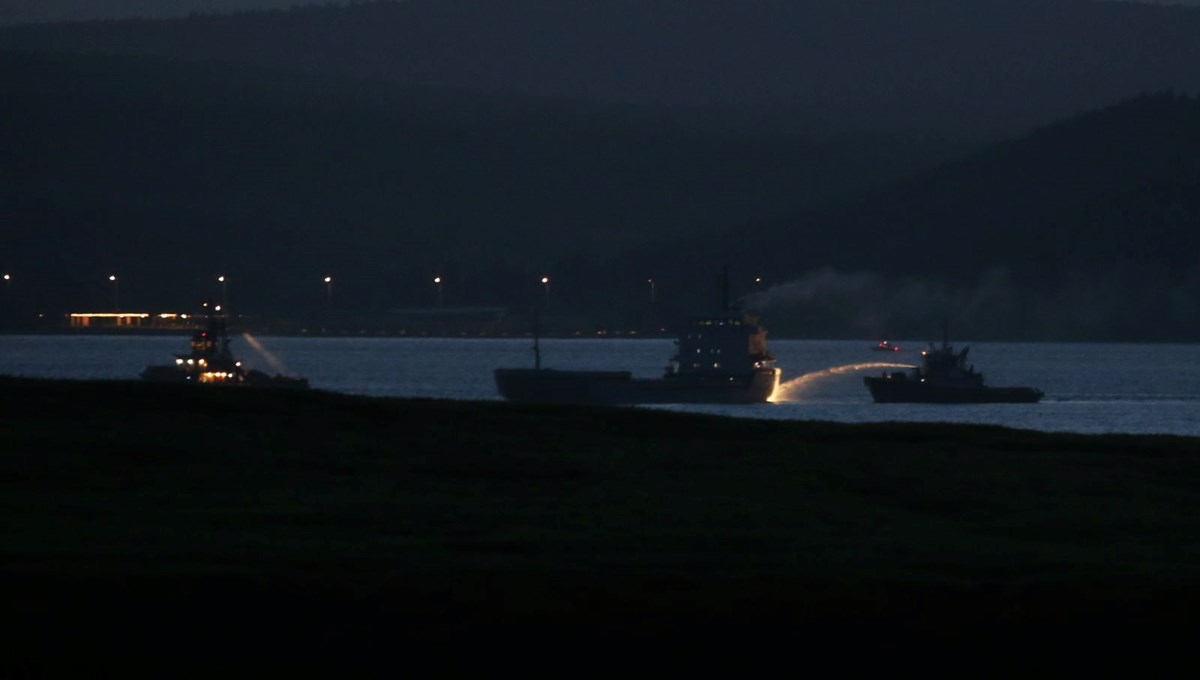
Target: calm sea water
[1094,388]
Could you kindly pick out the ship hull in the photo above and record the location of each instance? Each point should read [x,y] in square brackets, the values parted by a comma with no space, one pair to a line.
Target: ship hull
[890,390]
[620,387]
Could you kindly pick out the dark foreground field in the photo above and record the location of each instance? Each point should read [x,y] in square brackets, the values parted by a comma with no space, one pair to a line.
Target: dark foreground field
[145,522]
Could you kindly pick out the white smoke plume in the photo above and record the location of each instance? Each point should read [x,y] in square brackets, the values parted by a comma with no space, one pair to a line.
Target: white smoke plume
[826,302]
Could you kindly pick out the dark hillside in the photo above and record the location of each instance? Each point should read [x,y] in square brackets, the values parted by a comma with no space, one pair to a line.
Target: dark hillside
[878,65]
[1085,229]
[171,172]
[43,11]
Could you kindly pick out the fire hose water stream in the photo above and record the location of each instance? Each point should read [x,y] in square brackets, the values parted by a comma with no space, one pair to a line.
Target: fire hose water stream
[270,358]
[793,389]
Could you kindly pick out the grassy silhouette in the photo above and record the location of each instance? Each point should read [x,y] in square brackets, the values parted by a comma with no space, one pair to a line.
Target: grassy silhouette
[305,524]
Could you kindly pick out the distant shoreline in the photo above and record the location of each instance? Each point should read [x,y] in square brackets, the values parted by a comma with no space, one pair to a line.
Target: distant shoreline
[579,335]
[174,332]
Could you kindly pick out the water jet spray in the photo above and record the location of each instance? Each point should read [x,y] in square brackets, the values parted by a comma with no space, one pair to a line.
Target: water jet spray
[262,351]
[790,390]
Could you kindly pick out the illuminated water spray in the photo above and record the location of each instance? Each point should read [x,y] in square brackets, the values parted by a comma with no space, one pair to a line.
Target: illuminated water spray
[262,351]
[792,389]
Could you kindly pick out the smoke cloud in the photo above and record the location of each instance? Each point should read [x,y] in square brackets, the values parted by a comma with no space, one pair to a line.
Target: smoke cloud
[826,302]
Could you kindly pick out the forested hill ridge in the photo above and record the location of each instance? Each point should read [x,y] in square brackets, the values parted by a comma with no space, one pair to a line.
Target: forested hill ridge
[933,65]
[247,150]
[170,172]
[1085,229]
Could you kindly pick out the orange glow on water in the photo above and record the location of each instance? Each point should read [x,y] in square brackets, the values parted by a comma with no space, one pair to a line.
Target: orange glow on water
[794,389]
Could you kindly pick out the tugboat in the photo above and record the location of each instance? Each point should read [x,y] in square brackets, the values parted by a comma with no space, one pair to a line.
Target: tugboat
[885,346]
[211,363]
[721,359]
[944,377]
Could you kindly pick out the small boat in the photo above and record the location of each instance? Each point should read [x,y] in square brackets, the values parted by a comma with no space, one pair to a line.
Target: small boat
[885,346]
[211,363]
[944,377]
[720,359]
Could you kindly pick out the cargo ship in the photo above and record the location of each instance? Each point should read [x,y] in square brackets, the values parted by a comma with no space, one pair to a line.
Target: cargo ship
[719,359]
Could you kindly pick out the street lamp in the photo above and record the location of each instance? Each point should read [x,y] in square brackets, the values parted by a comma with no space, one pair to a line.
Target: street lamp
[224,291]
[7,282]
[651,282]
[116,292]
[329,290]
[546,285]
[437,281]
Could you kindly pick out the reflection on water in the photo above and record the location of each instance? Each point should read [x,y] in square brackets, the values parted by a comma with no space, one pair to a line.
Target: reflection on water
[1089,387]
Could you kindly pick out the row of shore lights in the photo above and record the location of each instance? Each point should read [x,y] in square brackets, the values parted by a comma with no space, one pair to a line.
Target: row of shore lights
[328,280]
[437,281]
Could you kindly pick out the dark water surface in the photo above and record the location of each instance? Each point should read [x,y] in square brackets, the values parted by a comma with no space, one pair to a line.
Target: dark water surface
[1095,388]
